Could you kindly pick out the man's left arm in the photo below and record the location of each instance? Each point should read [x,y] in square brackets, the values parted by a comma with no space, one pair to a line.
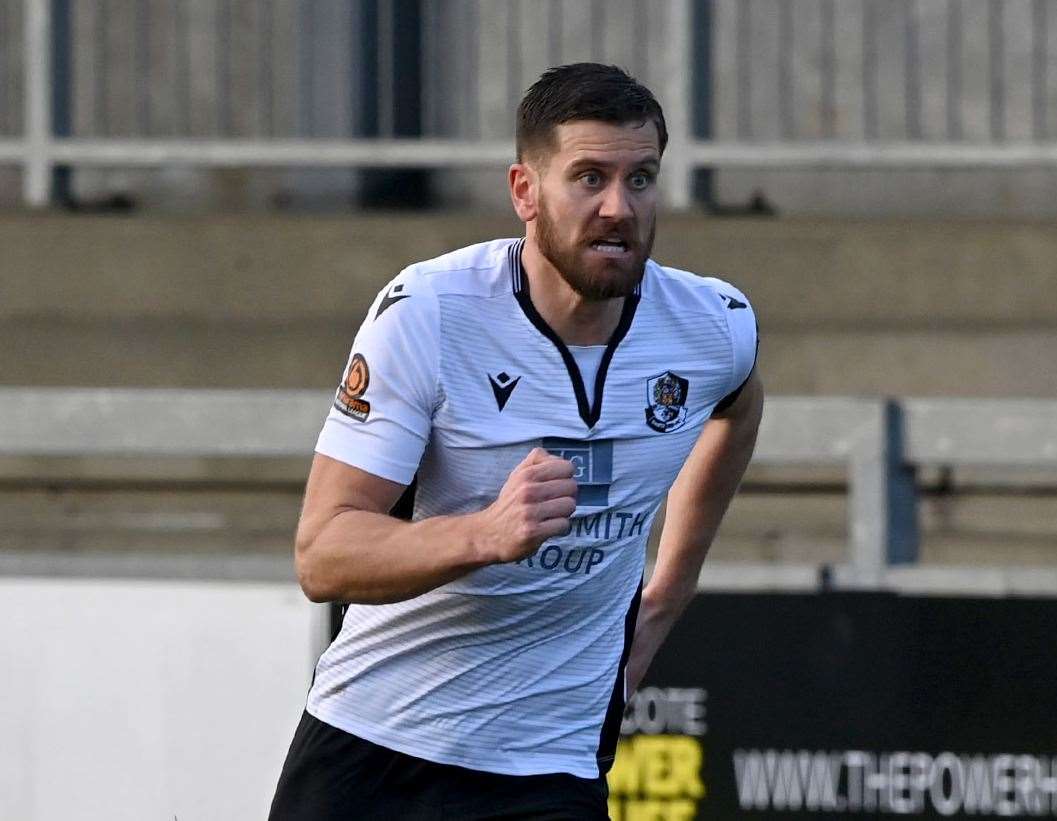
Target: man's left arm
[696,504]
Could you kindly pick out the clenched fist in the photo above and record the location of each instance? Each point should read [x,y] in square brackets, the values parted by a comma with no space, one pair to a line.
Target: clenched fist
[534,505]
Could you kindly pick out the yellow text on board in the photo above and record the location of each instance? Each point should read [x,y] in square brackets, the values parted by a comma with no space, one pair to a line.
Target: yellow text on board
[656,778]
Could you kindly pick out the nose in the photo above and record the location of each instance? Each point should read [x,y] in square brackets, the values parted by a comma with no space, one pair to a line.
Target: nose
[615,205]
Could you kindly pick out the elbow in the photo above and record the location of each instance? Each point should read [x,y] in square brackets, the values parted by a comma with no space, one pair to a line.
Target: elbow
[310,575]
[310,584]
[314,593]
[313,588]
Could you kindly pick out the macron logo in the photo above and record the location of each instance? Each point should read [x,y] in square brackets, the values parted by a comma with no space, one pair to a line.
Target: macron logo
[502,386]
[391,298]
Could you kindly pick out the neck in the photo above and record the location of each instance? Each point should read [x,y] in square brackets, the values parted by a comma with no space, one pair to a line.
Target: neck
[576,320]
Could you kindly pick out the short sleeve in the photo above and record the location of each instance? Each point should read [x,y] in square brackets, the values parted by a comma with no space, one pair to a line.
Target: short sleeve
[382,412]
[744,340]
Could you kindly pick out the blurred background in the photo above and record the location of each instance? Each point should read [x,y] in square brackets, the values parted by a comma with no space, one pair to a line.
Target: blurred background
[200,199]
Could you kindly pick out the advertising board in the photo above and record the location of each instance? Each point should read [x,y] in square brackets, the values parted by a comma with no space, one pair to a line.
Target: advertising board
[844,705]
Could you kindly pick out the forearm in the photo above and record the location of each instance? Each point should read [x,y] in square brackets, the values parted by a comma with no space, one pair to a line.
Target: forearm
[371,558]
[697,502]
[348,550]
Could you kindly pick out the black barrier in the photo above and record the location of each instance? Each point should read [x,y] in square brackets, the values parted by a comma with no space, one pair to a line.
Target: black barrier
[844,705]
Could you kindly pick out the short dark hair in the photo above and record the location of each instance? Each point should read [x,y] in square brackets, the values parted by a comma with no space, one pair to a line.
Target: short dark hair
[582,91]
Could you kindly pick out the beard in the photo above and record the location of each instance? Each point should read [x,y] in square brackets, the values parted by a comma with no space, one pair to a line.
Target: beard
[600,279]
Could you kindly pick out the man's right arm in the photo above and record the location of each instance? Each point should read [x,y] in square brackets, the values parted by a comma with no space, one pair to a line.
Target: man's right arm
[349,549]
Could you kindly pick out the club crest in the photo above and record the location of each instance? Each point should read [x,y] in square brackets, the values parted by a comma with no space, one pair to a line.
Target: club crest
[665,401]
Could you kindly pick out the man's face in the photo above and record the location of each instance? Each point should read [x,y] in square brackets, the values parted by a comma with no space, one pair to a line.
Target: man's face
[597,206]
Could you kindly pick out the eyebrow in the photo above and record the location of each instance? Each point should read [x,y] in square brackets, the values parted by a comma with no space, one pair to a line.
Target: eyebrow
[590,162]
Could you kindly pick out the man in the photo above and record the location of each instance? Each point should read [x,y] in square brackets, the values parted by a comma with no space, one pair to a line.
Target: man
[547,393]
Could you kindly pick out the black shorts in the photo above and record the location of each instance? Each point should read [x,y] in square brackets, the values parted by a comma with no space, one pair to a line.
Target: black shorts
[330,774]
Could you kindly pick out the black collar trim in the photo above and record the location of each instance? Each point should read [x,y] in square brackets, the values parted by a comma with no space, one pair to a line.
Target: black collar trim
[589,412]
[513,254]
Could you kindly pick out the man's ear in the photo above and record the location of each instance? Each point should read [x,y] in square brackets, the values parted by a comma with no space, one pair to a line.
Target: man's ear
[524,190]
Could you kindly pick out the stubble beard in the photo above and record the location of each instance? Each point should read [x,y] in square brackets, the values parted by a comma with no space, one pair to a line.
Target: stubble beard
[615,280]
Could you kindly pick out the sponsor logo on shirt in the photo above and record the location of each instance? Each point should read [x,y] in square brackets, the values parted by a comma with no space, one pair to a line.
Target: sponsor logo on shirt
[572,560]
[665,401]
[604,526]
[593,461]
[348,399]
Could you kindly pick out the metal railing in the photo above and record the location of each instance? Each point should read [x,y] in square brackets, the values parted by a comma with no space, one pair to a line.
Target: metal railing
[745,83]
[881,443]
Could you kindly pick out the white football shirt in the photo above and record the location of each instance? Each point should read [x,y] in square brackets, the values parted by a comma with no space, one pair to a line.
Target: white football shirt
[454,377]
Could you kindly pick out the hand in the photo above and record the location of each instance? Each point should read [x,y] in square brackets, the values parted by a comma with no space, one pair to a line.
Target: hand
[534,505]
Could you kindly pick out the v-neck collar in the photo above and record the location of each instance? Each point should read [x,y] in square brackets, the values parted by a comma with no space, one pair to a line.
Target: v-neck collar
[590,412]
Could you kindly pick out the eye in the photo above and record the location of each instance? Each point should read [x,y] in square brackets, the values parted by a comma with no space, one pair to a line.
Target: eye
[640,180]
[591,178]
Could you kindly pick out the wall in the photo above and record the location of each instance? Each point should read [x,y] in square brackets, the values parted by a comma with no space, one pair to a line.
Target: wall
[845,307]
[149,699]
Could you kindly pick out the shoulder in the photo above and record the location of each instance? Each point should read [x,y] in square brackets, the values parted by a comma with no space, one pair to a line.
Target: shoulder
[482,269]
[689,291]
[709,304]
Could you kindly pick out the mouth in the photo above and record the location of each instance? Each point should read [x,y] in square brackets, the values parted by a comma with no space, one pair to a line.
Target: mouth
[610,246]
